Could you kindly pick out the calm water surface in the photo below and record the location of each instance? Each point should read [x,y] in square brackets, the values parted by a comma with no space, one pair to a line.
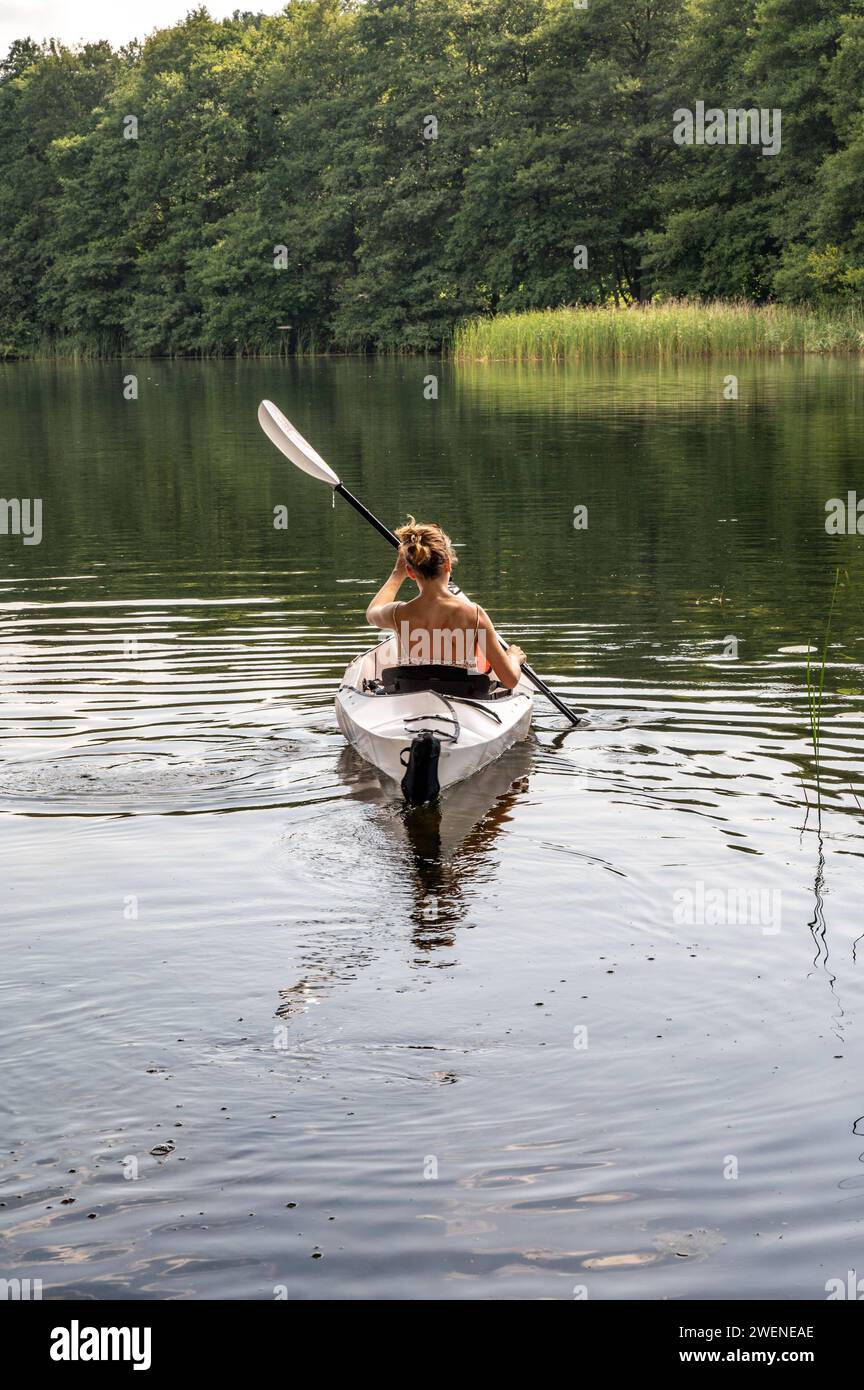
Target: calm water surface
[595,1025]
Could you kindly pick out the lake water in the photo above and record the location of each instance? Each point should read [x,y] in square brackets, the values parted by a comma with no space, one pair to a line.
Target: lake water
[594,1028]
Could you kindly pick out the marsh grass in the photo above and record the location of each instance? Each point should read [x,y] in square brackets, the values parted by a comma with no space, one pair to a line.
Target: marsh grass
[676,328]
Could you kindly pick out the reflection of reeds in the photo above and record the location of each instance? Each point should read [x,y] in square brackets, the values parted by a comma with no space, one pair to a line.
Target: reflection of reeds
[676,328]
[857,598]
[816,689]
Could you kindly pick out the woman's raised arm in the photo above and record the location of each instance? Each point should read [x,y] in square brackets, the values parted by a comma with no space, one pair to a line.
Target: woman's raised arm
[380,610]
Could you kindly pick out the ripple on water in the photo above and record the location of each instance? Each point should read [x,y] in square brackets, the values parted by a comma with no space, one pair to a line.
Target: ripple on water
[96,782]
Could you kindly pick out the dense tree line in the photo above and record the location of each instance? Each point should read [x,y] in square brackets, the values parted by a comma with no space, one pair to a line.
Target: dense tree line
[365,174]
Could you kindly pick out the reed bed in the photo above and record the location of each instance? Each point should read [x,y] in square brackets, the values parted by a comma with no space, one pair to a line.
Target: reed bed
[676,328]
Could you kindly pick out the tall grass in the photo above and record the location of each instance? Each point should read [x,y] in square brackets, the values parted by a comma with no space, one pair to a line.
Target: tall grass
[676,328]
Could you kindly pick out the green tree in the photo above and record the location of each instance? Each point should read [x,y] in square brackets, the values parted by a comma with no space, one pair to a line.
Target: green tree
[47,93]
[363,173]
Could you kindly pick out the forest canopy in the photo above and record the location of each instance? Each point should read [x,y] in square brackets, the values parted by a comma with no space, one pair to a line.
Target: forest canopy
[365,175]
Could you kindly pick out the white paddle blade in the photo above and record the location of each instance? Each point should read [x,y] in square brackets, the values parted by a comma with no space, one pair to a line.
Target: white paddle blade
[292,444]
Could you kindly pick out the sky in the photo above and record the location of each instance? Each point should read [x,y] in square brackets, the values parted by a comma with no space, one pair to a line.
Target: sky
[74,20]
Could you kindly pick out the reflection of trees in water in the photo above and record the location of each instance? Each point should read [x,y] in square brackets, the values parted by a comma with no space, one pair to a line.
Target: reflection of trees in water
[446,849]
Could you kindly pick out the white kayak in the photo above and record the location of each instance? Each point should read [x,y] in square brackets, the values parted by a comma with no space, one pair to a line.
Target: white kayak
[426,740]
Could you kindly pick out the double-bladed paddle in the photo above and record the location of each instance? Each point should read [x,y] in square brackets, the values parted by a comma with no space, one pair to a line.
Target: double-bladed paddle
[291,443]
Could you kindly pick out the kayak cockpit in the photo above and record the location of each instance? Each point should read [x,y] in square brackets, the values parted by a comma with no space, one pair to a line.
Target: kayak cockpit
[376,673]
[444,680]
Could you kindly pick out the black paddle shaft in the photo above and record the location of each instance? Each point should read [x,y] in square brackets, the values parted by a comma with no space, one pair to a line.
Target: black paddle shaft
[364,511]
[394,541]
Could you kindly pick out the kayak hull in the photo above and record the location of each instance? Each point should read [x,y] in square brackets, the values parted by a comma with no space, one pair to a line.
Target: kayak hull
[472,733]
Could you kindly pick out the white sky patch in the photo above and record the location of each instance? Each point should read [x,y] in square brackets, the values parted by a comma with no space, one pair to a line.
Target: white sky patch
[90,20]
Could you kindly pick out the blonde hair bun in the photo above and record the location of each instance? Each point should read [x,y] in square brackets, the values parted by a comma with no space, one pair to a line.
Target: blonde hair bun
[425,548]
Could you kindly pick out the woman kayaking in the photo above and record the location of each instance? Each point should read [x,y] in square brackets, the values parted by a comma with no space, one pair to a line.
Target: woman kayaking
[424,724]
[438,628]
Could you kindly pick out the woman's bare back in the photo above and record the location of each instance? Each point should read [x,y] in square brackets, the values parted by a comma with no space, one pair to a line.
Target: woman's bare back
[439,629]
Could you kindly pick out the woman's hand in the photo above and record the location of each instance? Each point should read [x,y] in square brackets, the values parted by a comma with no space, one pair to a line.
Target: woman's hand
[400,569]
[516,654]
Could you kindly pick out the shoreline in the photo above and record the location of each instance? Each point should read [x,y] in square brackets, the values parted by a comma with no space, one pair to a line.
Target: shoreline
[671,330]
